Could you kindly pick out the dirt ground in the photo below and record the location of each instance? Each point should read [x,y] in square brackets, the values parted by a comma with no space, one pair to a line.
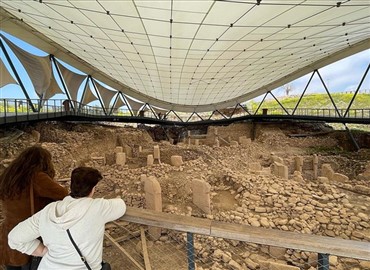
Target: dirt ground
[233,183]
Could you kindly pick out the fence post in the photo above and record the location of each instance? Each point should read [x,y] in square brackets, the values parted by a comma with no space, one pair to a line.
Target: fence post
[323,262]
[190,250]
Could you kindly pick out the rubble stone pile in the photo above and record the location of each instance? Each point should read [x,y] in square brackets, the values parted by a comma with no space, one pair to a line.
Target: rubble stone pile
[271,182]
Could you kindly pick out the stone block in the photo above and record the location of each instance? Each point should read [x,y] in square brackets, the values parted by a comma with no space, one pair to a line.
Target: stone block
[297,176]
[120,158]
[280,170]
[280,266]
[298,162]
[327,171]
[217,143]
[234,144]
[118,149]
[201,195]
[255,166]
[241,138]
[157,153]
[277,252]
[277,159]
[149,160]
[128,151]
[140,149]
[176,161]
[337,177]
[36,135]
[322,179]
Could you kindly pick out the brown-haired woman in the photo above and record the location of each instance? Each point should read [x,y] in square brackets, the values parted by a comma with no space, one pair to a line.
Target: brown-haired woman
[29,175]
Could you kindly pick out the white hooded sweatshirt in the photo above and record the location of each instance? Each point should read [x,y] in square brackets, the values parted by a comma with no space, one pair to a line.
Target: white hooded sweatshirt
[84,217]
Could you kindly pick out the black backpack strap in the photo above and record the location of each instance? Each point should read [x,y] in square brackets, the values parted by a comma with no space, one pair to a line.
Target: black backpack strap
[78,250]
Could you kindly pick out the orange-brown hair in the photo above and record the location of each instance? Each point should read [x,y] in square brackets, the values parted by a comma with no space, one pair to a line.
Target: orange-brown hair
[17,176]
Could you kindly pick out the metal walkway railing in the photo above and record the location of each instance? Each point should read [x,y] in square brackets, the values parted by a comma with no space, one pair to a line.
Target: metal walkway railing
[23,110]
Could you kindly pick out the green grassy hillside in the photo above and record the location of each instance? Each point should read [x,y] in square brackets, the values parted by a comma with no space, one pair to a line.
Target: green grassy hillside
[342,100]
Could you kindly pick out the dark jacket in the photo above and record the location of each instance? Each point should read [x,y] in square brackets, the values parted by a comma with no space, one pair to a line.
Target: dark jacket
[18,209]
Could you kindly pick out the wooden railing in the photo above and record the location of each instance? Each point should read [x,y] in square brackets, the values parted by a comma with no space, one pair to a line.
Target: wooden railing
[305,242]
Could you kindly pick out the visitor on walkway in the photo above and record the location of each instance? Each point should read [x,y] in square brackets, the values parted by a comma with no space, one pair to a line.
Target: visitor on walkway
[79,213]
[28,178]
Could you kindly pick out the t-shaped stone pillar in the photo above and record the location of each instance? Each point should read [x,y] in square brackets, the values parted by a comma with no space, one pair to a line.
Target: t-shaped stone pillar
[201,195]
[153,201]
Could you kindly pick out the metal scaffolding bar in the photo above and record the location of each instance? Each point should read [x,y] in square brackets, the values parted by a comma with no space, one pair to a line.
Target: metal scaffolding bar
[358,88]
[17,76]
[327,91]
[304,91]
[261,103]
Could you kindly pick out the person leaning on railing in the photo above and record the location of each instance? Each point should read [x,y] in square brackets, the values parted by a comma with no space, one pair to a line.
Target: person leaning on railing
[30,175]
[79,213]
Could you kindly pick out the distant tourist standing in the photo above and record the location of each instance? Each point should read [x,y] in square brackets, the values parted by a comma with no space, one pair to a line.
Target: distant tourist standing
[28,178]
[66,105]
[79,215]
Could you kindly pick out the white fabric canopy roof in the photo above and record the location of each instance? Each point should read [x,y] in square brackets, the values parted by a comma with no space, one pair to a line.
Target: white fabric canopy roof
[5,76]
[193,55]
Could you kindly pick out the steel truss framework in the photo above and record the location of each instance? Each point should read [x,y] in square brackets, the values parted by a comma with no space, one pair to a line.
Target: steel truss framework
[188,119]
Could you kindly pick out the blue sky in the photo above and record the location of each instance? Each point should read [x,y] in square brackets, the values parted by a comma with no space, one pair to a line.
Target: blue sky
[341,76]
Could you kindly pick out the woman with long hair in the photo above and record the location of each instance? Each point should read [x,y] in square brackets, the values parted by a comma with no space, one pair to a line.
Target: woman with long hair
[26,186]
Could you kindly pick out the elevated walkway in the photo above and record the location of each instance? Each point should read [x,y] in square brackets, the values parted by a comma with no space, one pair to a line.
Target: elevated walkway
[58,114]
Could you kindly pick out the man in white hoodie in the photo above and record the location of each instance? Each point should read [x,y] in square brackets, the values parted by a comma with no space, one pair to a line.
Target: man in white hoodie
[85,218]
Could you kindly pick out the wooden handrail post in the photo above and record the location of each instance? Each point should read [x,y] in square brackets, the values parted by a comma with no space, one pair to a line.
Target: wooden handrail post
[190,250]
[323,262]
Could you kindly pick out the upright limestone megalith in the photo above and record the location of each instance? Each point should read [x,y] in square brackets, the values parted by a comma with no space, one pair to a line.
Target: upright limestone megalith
[153,201]
[149,160]
[120,158]
[315,164]
[201,195]
[157,152]
[327,171]
[217,142]
[280,170]
[298,162]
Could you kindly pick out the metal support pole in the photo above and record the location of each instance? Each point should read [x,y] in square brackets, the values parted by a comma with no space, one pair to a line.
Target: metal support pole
[84,93]
[52,60]
[17,76]
[261,103]
[127,104]
[177,115]
[154,113]
[323,262]
[355,144]
[281,105]
[327,91]
[190,250]
[98,94]
[224,116]
[358,88]
[199,116]
[114,103]
[246,110]
[189,117]
[234,110]
[304,91]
